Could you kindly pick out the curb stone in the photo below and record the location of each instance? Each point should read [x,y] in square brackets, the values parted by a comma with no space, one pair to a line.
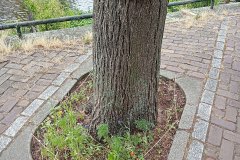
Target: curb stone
[192,89]
[205,107]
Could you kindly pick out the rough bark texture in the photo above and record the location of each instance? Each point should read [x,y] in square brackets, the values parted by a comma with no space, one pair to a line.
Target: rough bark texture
[127,44]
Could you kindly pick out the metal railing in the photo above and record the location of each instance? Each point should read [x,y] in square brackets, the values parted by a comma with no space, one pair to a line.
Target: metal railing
[18,25]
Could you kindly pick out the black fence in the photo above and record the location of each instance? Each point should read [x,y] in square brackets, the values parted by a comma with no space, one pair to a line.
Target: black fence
[18,25]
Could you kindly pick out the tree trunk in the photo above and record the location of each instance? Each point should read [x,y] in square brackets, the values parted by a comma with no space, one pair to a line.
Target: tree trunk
[127,45]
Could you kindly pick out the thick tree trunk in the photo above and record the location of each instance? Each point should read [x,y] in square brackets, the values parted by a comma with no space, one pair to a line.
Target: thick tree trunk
[127,44]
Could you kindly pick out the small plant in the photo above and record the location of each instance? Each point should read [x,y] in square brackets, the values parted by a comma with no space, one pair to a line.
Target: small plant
[144,125]
[102,131]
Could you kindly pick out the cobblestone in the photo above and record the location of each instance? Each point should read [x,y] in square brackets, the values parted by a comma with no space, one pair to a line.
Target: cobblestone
[204,111]
[200,130]
[16,126]
[215,135]
[208,97]
[48,92]
[227,149]
[4,141]
[195,152]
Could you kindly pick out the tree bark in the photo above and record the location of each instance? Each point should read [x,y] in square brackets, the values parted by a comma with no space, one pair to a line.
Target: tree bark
[127,44]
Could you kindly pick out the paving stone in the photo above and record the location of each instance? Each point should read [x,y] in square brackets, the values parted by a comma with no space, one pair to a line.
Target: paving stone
[211,151]
[236,66]
[226,152]
[238,125]
[187,117]
[215,135]
[14,66]
[61,78]
[231,114]
[23,103]
[233,103]
[4,141]
[85,67]
[221,38]
[18,78]
[220,45]
[49,76]
[21,85]
[17,72]
[16,126]
[223,123]
[204,111]
[31,95]
[228,94]
[237,149]
[208,158]
[44,82]
[195,151]
[200,130]
[175,69]
[11,116]
[72,67]
[236,157]
[3,70]
[32,107]
[38,88]
[234,87]
[216,63]
[211,84]
[180,139]
[82,58]
[231,136]
[64,89]
[9,105]
[214,73]
[48,92]
[218,54]
[4,77]
[220,102]
[228,59]
[207,97]
[218,113]
[19,93]
[196,74]
[225,78]
[5,86]
[3,127]
[222,32]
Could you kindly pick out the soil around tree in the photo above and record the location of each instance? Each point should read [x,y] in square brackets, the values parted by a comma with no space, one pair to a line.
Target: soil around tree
[171,102]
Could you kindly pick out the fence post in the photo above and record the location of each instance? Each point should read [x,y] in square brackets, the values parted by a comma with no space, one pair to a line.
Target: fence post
[212,4]
[19,32]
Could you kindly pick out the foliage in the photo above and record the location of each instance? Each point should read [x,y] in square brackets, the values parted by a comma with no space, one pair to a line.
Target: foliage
[144,125]
[66,137]
[45,9]
[189,6]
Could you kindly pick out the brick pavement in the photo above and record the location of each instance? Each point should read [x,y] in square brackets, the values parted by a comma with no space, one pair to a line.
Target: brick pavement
[26,76]
[223,141]
[202,51]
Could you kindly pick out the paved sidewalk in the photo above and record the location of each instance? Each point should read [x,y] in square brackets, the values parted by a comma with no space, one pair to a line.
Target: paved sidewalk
[223,141]
[206,50]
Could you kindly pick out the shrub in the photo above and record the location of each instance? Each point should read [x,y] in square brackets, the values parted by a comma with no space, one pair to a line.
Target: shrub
[45,9]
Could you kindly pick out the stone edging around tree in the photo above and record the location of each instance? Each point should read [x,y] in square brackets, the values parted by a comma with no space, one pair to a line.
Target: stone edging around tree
[192,89]
[21,145]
